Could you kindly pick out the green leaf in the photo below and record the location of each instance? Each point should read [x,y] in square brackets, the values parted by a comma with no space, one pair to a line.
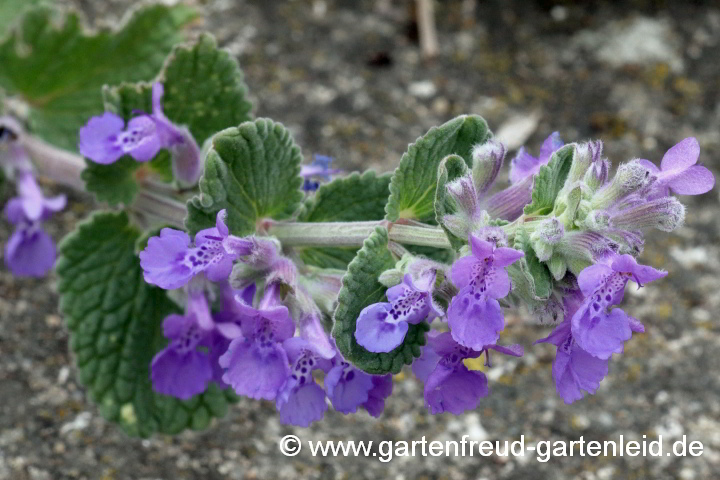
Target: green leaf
[354,198]
[451,168]
[114,319]
[412,189]
[55,65]
[534,276]
[117,183]
[204,90]
[252,171]
[11,10]
[549,181]
[360,289]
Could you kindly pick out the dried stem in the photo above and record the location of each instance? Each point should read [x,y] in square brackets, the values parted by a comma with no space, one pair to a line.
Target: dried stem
[426,28]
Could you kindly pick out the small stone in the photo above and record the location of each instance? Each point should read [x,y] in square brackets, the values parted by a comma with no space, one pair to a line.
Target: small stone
[516,130]
[422,89]
[580,422]
[559,13]
[63,375]
[38,474]
[81,422]
[661,397]
[441,106]
[690,257]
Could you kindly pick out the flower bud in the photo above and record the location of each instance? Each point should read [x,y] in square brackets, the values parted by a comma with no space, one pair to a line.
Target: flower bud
[629,178]
[462,190]
[597,175]
[558,267]
[597,220]
[665,214]
[391,277]
[487,160]
[494,235]
[548,233]
[585,156]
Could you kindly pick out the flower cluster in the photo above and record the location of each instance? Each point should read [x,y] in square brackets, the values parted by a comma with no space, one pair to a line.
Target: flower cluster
[592,243]
[29,252]
[106,138]
[252,342]
[253,321]
[587,243]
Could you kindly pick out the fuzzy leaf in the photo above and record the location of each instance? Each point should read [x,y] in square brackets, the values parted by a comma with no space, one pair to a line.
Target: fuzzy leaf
[549,181]
[534,276]
[114,319]
[252,171]
[117,183]
[55,65]
[412,189]
[354,198]
[360,289]
[204,90]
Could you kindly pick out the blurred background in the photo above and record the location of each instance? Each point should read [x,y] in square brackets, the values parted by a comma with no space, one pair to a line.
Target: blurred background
[350,80]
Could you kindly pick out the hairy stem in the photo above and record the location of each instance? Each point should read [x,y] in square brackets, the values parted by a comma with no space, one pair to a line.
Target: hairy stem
[351,234]
[158,203]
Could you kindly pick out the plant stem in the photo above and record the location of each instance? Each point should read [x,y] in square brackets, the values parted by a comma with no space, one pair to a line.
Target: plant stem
[156,202]
[351,234]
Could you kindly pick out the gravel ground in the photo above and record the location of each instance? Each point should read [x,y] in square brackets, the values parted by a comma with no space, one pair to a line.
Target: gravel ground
[348,79]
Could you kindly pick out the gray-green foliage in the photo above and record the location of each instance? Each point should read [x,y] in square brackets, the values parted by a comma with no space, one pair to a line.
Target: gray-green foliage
[114,319]
[252,171]
[361,287]
[54,64]
[354,198]
[549,181]
[204,90]
[412,189]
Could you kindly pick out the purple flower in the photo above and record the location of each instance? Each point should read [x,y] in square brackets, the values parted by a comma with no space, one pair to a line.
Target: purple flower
[15,158]
[382,388]
[169,261]
[573,369]
[382,326]
[104,139]
[349,388]
[596,329]
[301,401]
[181,369]
[508,203]
[475,316]
[30,251]
[256,363]
[679,173]
[34,204]
[320,169]
[525,165]
[449,385]
[228,325]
